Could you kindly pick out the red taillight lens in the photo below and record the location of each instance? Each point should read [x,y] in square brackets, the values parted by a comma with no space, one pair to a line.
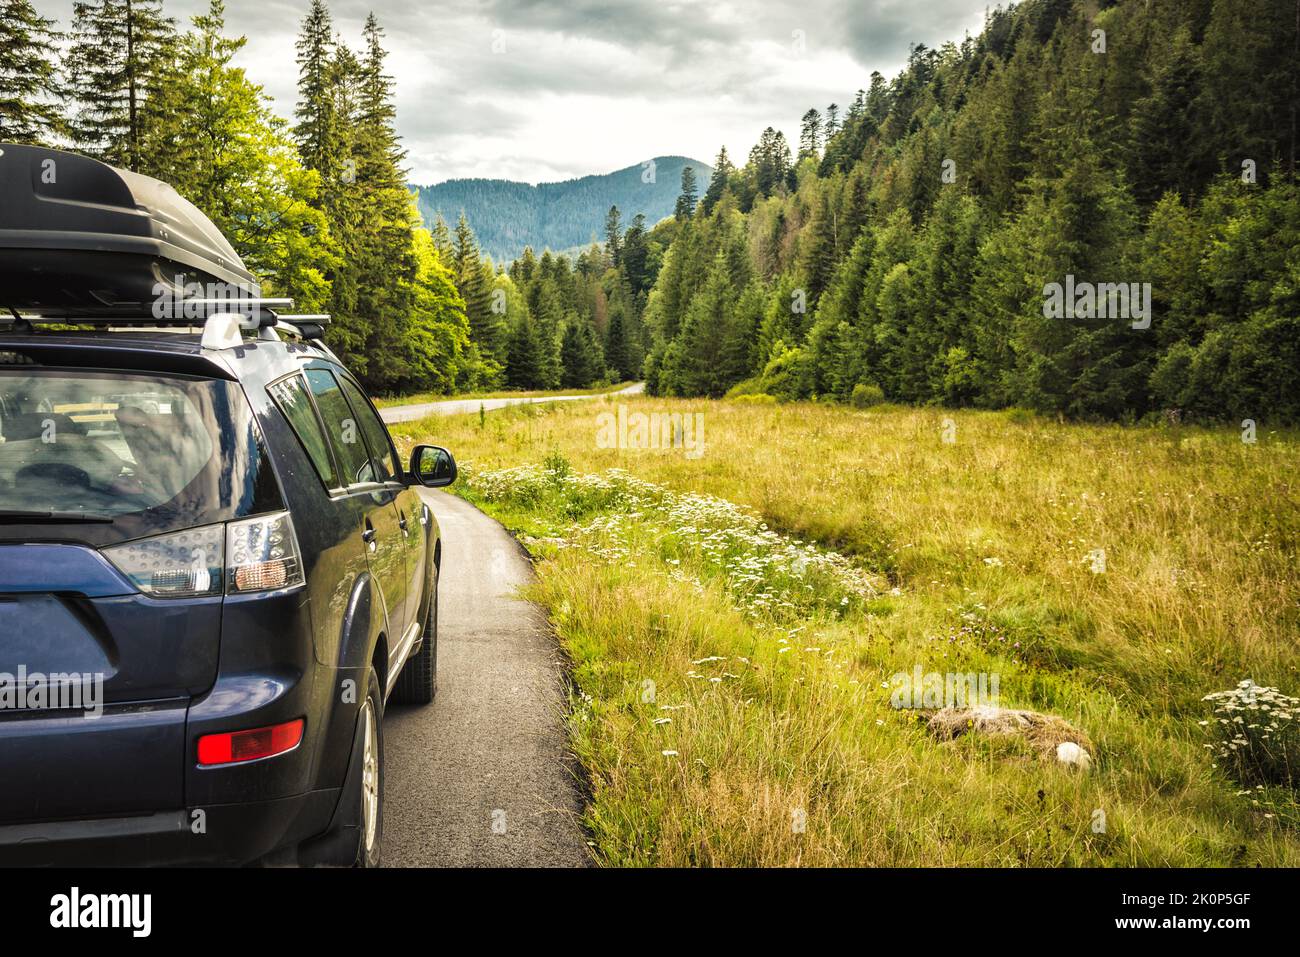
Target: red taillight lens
[236,746]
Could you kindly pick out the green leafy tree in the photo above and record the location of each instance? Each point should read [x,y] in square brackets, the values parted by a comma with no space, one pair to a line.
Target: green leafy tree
[220,146]
[439,354]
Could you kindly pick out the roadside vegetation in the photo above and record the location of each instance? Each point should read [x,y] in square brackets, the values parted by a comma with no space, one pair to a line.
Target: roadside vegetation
[733,623]
[419,398]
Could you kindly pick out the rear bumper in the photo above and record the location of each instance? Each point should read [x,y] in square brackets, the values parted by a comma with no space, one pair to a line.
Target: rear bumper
[223,834]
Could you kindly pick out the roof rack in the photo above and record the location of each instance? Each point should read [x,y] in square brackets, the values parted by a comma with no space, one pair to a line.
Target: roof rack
[224,321]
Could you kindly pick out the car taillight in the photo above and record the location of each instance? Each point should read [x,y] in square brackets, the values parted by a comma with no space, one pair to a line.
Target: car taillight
[262,554]
[235,746]
[177,565]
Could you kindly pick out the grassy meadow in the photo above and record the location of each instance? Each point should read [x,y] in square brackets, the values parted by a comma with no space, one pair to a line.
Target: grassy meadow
[733,621]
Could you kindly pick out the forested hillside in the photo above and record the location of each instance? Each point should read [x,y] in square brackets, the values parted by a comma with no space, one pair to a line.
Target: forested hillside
[507,216]
[908,251]
[905,250]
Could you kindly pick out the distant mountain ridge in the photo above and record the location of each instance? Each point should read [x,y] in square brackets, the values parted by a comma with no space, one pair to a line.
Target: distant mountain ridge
[507,215]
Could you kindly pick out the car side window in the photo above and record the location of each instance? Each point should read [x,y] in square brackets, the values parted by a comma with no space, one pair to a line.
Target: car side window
[291,396]
[341,426]
[382,456]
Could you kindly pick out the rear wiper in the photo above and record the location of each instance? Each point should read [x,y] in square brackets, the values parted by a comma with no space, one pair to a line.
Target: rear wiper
[18,517]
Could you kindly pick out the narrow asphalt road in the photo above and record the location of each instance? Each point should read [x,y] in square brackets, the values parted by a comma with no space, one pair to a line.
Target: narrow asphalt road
[409,413]
[482,776]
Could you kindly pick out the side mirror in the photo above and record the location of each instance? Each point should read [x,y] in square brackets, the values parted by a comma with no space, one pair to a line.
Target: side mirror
[432,466]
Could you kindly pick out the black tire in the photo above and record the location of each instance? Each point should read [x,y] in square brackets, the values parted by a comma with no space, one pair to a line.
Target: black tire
[371,780]
[418,681]
[346,843]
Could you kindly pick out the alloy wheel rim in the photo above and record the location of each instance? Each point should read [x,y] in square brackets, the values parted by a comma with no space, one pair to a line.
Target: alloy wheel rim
[370,778]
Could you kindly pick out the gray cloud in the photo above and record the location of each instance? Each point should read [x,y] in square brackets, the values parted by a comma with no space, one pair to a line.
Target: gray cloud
[538,90]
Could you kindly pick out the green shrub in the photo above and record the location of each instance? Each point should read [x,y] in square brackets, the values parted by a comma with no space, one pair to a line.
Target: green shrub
[745,387]
[866,394]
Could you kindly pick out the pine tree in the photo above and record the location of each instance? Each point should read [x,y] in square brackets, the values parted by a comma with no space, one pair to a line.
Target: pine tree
[636,254]
[119,52]
[833,344]
[317,132]
[29,88]
[216,141]
[822,250]
[1164,152]
[475,280]
[769,162]
[580,354]
[386,258]
[547,313]
[810,135]
[381,154]
[1251,56]
[442,240]
[617,354]
[613,234]
[524,364]
[704,330]
[723,171]
[832,120]
[686,199]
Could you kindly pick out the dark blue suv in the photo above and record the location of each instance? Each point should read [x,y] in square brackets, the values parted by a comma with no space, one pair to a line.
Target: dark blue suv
[214,573]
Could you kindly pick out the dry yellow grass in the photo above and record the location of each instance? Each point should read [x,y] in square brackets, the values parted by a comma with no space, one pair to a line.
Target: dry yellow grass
[1111,575]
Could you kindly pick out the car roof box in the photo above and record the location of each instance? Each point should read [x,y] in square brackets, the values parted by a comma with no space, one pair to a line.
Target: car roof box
[78,235]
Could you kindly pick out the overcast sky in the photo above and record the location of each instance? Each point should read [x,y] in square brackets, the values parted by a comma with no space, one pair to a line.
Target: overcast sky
[542,91]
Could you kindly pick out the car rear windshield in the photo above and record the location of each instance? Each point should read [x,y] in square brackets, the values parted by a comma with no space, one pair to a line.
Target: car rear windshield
[121,456]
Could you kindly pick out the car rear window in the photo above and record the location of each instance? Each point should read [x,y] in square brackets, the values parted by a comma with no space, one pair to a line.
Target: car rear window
[146,452]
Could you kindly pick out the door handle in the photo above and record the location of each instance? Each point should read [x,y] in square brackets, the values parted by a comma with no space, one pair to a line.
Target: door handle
[401,522]
[368,536]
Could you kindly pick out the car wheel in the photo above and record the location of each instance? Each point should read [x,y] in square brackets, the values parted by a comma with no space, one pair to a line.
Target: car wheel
[371,720]
[418,681]
[356,834]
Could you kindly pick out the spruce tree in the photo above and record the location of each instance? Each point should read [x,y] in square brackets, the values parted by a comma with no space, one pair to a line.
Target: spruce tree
[29,88]
[635,255]
[810,135]
[316,131]
[386,260]
[119,51]
[442,240]
[524,363]
[613,234]
[218,144]
[723,170]
[475,281]
[617,354]
[686,199]
[580,354]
